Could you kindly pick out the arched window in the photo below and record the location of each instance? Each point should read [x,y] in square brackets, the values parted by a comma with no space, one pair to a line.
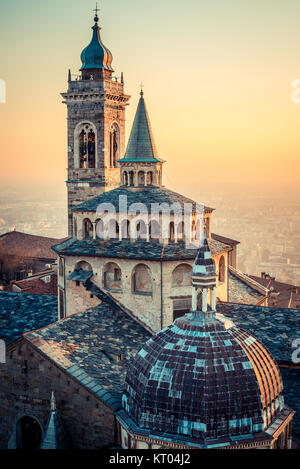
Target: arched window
[150,178]
[154,230]
[114,145]
[141,230]
[29,433]
[141,280]
[180,231]
[125,229]
[194,230]
[83,265]
[113,229]
[181,276]
[85,146]
[112,276]
[82,149]
[91,149]
[141,178]
[171,232]
[131,178]
[125,178]
[87,228]
[100,228]
[222,270]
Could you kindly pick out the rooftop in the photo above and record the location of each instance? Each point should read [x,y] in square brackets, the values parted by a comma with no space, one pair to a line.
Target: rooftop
[22,312]
[15,243]
[89,345]
[139,249]
[276,328]
[146,196]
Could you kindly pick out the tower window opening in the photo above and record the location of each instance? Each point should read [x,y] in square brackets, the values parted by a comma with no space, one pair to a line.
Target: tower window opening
[114,145]
[91,149]
[87,148]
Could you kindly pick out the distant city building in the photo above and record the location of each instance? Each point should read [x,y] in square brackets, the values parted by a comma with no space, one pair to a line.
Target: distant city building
[41,283]
[22,254]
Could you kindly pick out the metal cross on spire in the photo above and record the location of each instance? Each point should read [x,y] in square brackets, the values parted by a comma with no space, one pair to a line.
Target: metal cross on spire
[96,19]
[142,86]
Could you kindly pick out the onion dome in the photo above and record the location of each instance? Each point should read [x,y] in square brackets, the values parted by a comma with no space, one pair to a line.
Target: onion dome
[203,378]
[96,55]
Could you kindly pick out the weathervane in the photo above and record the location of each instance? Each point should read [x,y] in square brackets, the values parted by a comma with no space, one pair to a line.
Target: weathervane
[142,86]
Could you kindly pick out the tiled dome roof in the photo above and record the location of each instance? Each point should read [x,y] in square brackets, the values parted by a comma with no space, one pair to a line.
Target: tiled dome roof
[205,378]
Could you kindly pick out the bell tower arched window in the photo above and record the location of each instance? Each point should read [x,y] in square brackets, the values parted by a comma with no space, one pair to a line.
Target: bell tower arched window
[91,149]
[85,146]
[114,146]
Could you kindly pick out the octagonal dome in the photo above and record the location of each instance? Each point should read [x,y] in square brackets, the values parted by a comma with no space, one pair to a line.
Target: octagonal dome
[205,378]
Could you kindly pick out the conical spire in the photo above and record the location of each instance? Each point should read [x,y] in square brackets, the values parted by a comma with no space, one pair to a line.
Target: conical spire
[204,278]
[204,265]
[54,436]
[141,144]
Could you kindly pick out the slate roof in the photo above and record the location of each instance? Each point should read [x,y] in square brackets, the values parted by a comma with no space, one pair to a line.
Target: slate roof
[276,328]
[139,249]
[21,312]
[87,345]
[203,355]
[147,196]
[141,144]
[15,243]
[291,392]
[203,265]
[240,292]
[282,295]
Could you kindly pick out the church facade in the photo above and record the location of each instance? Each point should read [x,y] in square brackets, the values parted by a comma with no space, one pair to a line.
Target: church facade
[140,354]
[131,235]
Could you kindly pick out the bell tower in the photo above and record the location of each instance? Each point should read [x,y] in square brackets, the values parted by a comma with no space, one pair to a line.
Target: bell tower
[96,105]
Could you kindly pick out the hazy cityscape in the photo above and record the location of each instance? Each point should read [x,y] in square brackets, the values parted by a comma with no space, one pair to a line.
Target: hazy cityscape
[268,229]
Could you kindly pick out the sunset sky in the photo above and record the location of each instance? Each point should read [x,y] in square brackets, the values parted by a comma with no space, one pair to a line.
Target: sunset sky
[217,80]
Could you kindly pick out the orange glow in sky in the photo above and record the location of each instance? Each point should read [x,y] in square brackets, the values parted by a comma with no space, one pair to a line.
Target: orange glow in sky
[217,80]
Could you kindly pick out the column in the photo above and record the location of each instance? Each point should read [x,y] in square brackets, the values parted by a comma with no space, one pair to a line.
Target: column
[194,299]
[94,230]
[213,298]
[204,300]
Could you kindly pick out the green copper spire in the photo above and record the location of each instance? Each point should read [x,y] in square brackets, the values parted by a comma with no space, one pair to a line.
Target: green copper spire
[141,144]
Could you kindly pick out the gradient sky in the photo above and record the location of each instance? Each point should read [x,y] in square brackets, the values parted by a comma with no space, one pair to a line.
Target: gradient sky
[217,79]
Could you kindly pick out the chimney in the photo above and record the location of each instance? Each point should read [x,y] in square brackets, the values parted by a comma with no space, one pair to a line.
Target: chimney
[263,275]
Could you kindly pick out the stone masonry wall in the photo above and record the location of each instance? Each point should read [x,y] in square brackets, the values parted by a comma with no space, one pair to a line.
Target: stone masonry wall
[89,423]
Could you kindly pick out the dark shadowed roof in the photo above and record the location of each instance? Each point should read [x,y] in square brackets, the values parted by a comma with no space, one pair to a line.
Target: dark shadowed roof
[21,312]
[134,250]
[15,243]
[147,196]
[202,377]
[87,346]
[276,328]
